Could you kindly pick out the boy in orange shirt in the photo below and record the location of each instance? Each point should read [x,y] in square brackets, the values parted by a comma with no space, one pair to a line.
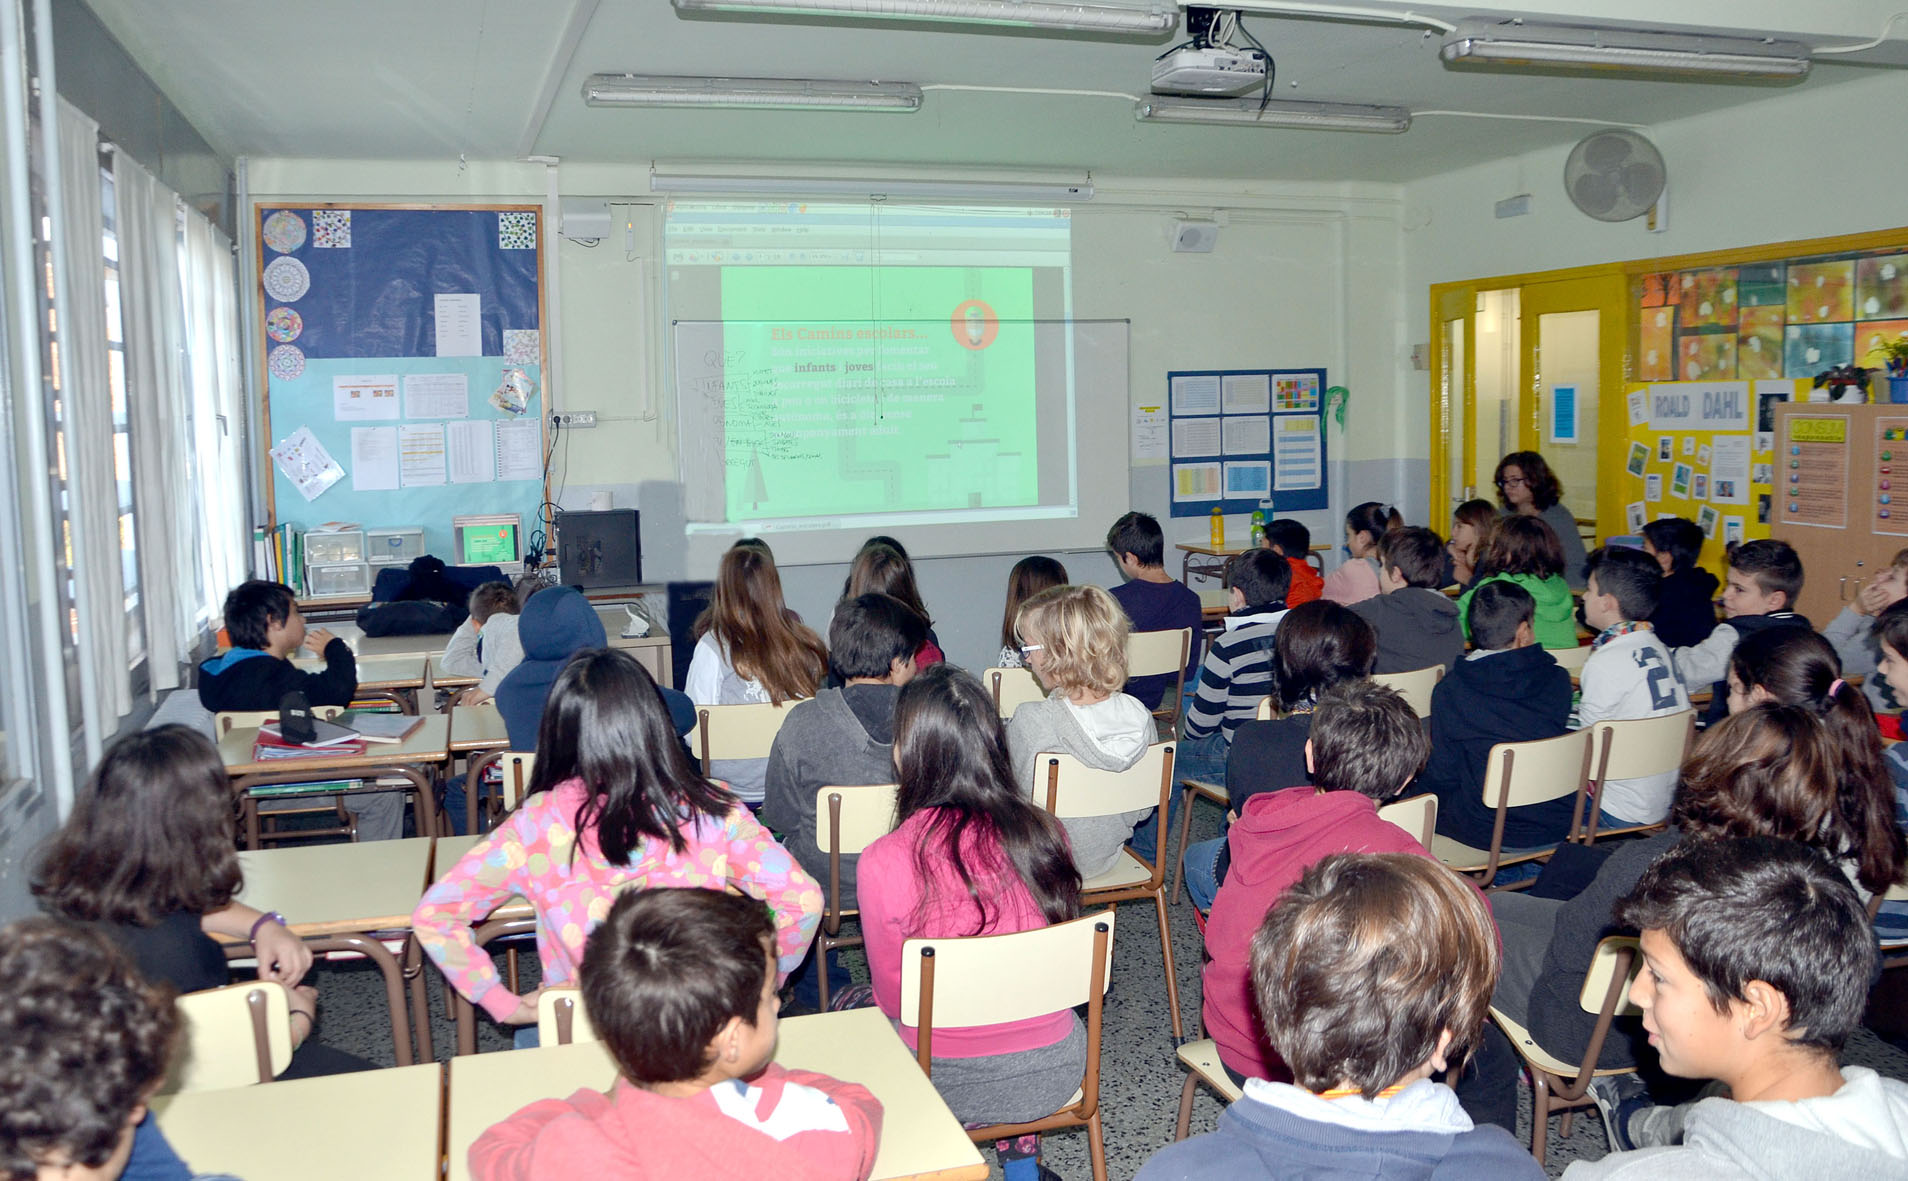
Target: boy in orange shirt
[1293,542]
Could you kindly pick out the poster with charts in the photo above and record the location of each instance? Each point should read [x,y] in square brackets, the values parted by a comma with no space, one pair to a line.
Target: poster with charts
[1241,440]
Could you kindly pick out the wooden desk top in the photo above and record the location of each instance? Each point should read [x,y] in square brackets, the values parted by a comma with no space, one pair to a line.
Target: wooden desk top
[449,680]
[1229,551]
[392,1116]
[341,888]
[379,672]
[429,743]
[920,1138]
[477,728]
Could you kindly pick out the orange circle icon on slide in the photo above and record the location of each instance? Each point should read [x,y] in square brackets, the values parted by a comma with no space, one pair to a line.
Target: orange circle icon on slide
[974,324]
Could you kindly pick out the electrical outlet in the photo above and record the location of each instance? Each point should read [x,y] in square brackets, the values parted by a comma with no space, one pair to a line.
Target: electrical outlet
[571,419]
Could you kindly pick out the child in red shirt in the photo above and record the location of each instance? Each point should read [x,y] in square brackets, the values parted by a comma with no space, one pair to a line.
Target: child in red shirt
[680,985]
[1293,541]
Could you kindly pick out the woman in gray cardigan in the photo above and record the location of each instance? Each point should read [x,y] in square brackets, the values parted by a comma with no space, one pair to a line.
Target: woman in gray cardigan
[1527,487]
[1074,638]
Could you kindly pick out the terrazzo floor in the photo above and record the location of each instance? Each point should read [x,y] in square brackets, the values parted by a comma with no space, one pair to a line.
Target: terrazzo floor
[1140,1077]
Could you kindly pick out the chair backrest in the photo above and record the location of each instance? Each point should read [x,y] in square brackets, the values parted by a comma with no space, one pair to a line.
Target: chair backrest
[1643,746]
[1521,773]
[994,979]
[236,1036]
[517,767]
[560,1017]
[244,719]
[1265,712]
[1571,660]
[1417,816]
[861,814]
[1012,688]
[1603,966]
[737,731]
[1414,686]
[1158,653]
[1073,790]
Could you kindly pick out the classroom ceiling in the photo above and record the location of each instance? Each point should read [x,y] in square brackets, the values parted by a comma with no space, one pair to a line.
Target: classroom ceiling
[501,79]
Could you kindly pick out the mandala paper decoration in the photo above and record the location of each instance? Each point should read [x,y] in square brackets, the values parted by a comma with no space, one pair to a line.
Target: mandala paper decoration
[331,228]
[284,231]
[286,362]
[283,324]
[517,230]
[286,279]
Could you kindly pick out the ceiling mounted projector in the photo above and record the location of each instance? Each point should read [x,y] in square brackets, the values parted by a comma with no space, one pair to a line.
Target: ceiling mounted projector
[1152,19]
[1218,72]
[1514,43]
[751,94]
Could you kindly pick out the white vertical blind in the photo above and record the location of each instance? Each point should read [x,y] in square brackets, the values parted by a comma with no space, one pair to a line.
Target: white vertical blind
[87,401]
[217,397]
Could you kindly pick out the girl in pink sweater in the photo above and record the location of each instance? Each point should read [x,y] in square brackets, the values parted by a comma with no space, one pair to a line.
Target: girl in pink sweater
[614,804]
[970,855]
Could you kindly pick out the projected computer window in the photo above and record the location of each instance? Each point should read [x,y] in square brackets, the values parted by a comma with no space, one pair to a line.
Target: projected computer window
[872,365]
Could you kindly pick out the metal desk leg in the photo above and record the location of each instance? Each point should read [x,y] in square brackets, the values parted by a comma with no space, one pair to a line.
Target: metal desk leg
[420,998]
[387,963]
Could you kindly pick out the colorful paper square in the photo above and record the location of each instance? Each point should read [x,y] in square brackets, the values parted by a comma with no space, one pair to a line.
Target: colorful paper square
[331,228]
[1811,348]
[1822,292]
[517,230]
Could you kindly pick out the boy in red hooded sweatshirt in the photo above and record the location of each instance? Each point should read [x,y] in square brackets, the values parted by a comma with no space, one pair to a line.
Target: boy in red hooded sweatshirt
[1366,744]
[1293,541]
[680,986]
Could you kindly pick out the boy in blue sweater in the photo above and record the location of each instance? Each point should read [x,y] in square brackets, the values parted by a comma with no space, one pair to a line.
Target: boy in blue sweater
[1373,973]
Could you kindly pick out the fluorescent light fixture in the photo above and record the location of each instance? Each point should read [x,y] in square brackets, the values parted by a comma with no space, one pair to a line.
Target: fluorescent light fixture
[1570,46]
[1301,116]
[751,94]
[1153,19]
[1063,193]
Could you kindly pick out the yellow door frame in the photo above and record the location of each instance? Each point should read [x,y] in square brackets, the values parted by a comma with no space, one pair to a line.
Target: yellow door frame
[1614,282]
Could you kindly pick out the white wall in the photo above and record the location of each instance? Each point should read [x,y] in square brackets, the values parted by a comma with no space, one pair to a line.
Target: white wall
[1793,165]
[1303,276]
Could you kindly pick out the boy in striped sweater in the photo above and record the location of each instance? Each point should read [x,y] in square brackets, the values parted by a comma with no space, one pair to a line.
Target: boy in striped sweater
[1237,673]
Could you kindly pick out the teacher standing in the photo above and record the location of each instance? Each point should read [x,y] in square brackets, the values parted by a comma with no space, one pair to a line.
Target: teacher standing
[1527,487]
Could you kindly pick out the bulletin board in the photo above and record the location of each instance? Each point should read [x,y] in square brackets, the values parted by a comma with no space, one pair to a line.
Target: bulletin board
[402,358]
[1704,451]
[1246,439]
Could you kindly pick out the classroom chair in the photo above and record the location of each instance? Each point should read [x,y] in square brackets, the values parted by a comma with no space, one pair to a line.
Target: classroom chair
[1197,789]
[849,819]
[1518,774]
[289,804]
[1077,790]
[737,731]
[516,767]
[993,979]
[1162,653]
[1012,688]
[1560,1086]
[1414,686]
[1630,750]
[1571,660]
[1417,816]
[1201,1060]
[236,1036]
[561,1018]
[1894,954]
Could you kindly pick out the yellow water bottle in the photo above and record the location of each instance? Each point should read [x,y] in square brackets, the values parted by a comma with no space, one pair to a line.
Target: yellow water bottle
[1218,528]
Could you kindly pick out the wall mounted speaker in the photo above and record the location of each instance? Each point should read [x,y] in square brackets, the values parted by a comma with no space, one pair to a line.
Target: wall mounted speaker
[1195,237]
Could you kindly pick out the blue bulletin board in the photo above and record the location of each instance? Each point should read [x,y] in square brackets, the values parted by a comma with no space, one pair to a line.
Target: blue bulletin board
[388,333]
[1245,439]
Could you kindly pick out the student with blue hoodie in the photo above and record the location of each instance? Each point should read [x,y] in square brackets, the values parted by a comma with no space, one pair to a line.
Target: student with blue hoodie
[256,672]
[1373,973]
[556,624]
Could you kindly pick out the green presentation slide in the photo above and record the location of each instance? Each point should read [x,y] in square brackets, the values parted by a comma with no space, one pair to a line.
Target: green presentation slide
[851,390]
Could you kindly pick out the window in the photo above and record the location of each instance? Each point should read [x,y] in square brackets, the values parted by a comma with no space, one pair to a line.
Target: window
[122,432]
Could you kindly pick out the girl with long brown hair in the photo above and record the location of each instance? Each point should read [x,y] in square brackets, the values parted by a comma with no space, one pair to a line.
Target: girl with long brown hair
[751,648]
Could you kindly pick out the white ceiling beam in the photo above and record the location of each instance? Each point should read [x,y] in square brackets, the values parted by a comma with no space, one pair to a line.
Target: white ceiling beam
[578,23]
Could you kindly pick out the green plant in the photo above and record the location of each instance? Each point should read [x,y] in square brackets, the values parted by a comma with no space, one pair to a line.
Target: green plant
[1893,353]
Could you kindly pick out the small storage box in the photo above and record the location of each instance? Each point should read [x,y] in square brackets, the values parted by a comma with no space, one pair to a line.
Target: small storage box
[388,546]
[344,578]
[329,549]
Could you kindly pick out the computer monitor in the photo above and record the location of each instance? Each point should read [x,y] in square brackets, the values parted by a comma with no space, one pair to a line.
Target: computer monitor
[599,548]
[488,540]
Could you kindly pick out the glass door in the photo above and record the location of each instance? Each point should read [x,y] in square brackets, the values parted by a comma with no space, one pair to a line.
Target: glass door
[1570,387]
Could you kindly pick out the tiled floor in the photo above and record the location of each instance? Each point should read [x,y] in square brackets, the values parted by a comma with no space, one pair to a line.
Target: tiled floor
[1140,1080]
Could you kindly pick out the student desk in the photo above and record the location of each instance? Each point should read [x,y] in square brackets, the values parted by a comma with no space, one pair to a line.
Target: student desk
[1209,561]
[515,917]
[416,759]
[394,1116]
[477,728]
[920,1137]
[652,650]
[400,675]
[349,897]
